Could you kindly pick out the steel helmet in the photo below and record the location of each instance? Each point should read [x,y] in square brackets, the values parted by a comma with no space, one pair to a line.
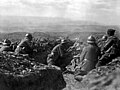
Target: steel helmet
[28,35]
[6,42]
[104,37]
[91,39]
[63,41]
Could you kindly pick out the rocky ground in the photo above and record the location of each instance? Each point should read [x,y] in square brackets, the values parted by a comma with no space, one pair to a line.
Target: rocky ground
[22,73]
[102,78]
[19,72]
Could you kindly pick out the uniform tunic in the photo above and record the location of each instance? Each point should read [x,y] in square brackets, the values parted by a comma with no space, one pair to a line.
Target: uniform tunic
[89,56]
[110,42]
[110,51]
[59,56]
[24,47]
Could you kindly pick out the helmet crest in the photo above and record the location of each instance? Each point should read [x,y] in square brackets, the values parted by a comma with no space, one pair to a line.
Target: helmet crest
[91,39]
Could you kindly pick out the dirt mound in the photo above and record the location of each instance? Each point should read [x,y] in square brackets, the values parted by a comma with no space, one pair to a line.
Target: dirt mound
[22,73]
[43,80]
[102,78]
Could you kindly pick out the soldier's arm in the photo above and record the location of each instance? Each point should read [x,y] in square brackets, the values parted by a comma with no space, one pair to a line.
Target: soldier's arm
[53,56]
[22,43]
[82,56]
[108,45]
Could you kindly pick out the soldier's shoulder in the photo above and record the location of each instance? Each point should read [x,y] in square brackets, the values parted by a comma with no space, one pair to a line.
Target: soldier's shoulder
[23,41]
[92,47]
[112,37]
[57,46]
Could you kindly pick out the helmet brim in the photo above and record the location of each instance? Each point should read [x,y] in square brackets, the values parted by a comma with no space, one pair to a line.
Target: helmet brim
[90,41]
[4,43]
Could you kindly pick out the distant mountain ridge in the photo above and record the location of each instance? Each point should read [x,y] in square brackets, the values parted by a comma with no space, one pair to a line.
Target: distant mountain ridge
[10,24]
[36,24]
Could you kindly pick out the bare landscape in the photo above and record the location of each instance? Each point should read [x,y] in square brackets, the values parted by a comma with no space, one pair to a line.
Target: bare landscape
[59,45]
[15,28]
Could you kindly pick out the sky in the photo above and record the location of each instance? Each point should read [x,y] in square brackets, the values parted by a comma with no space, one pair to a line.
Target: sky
[102,11]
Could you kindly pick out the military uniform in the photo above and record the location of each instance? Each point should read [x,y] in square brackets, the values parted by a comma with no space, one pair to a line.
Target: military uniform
[88,58]
[24,47]
[59,56]
[101,42]
[110,50]
[6,46]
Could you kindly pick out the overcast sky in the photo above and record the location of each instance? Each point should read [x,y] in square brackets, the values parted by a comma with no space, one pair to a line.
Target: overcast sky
[104,11]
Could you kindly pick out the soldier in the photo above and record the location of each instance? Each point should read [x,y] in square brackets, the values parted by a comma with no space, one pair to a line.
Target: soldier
[89,57]
[59,55]
[110,50]
[25,46]
[6,46]
[101,42]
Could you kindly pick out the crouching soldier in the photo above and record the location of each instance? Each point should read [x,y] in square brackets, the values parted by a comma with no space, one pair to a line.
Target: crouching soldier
[110,50]
[59,55]
[6,46]
[88,58]
[25,46]
[101,42]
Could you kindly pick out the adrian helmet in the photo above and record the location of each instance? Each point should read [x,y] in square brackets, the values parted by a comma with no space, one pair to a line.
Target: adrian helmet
[63,41]
[104,37]
[6,42]
[91,39]
[29,36]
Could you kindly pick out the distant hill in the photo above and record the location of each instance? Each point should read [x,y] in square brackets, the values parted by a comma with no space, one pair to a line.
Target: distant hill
[37,24]
[15,28]
[17,36]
